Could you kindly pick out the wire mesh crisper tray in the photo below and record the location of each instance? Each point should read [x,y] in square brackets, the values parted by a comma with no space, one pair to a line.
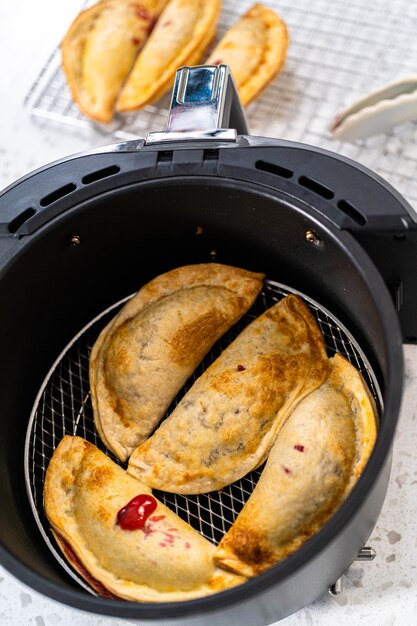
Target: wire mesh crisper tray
[63,406]
[339,50]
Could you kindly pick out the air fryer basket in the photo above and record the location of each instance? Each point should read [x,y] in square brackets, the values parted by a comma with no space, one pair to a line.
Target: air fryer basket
[80,235]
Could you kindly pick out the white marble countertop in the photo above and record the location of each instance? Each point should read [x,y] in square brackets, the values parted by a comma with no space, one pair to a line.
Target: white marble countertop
[379,593]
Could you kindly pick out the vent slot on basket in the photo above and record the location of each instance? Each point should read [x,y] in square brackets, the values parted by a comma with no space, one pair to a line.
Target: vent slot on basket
[351,212]
[316,187]
[273,168]
[57,194]
[211,155]
[165,156]
[105,172]
[20,219]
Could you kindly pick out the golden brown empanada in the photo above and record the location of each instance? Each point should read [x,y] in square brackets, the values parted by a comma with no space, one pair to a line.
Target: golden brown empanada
[181,37]
[144,356]
[226,423]
[316,459]
[123,541]
[100,48]
[255,49]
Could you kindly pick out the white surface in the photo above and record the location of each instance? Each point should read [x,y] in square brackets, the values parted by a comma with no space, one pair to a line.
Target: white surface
[381,593]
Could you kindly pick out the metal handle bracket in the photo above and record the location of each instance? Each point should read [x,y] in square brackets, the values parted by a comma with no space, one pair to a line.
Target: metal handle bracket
[204,106]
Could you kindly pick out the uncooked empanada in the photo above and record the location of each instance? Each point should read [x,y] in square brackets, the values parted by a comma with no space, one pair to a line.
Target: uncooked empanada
[181,37]
[316,459]
[255,49]
[145,355]
[226,423]
[100,48]
[123,541]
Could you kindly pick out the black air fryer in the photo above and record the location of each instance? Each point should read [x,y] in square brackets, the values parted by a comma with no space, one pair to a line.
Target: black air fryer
[81,235]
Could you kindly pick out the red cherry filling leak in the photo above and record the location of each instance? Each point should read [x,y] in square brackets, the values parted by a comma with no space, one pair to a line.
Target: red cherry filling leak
[133,516]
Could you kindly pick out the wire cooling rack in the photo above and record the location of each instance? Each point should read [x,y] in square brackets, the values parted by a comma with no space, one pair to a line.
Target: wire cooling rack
[339,50]
[63,407]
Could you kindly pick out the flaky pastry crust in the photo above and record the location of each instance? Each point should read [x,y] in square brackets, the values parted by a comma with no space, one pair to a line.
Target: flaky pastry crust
[100,48]
[165,560]
[226,423]
[255,49]
[144,356]
[181,37]
[315,461]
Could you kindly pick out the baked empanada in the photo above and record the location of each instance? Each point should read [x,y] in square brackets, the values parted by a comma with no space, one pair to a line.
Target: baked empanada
[100,48]
[255,49]
[226,423]
[144,356]
[181,37]
[316,459]
[123,541]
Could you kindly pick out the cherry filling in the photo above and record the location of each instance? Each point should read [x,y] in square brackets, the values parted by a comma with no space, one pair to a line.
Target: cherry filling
[140,11]
[133,516]
[95,584]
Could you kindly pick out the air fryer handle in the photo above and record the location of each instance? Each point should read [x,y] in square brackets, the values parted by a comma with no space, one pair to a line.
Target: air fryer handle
[205,106]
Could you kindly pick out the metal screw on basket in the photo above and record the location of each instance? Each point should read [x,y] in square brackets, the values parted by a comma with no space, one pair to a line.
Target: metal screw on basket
[365,554]
[312,237]
[75,240]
